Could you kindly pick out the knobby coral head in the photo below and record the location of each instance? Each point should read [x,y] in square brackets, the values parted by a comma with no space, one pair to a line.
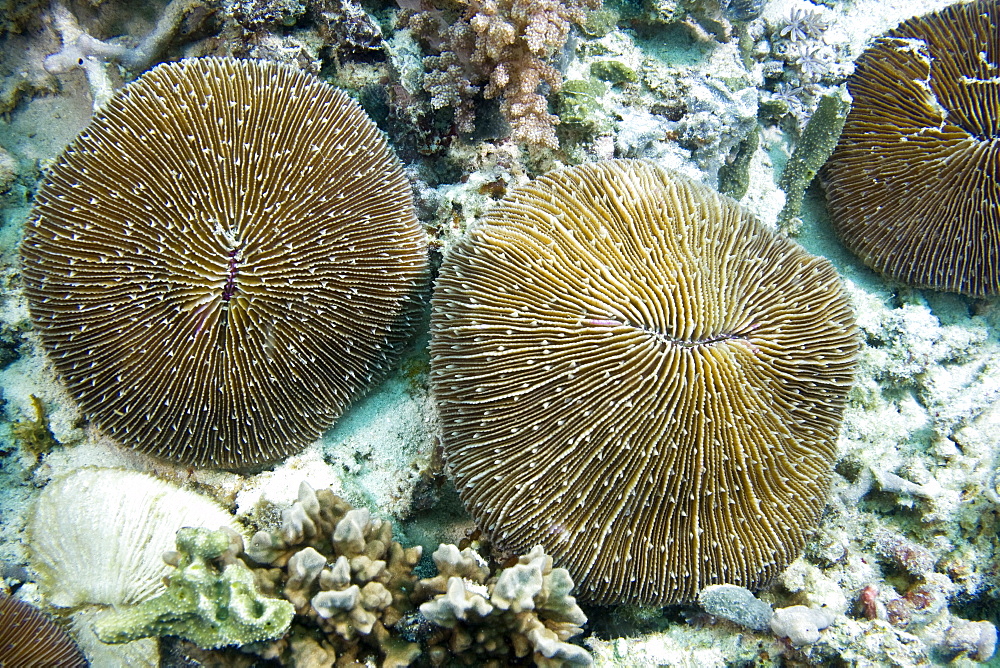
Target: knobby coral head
[914,184]
[222,260]
[634,373]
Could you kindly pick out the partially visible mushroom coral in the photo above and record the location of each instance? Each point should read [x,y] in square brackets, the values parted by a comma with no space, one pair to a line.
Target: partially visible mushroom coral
[29,638]
[914,184]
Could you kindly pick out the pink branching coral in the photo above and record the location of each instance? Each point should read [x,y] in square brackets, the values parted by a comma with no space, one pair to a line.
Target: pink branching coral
[505,49]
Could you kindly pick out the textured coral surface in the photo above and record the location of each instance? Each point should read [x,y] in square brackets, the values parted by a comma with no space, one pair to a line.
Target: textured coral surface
[903,564]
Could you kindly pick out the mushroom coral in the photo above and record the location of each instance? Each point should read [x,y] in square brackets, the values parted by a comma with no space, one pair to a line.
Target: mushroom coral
[914,183]
[28,638]
[223,260]
[633,372]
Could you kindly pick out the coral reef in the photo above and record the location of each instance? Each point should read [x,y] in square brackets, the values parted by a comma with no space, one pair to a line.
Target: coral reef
[905,554]
[210,598]
[524,610]
[503,49]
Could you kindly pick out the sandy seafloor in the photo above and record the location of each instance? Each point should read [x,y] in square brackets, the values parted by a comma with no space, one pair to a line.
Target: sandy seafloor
[915,507]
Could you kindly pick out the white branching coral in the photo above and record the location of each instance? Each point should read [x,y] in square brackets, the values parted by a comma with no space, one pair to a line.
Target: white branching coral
[524,609]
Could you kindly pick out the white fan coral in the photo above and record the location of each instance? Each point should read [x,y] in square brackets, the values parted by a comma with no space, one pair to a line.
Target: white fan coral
[97,536]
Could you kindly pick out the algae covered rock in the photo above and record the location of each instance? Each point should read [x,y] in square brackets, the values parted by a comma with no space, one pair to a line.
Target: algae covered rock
[211,598]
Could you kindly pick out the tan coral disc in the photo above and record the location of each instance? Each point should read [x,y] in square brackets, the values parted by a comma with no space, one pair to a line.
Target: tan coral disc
[914,184]
[29,638]
[223,260]
[634,373]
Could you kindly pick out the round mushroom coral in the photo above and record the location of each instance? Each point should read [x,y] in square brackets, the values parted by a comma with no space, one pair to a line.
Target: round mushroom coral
[634,373]
[914,184]
[223,260]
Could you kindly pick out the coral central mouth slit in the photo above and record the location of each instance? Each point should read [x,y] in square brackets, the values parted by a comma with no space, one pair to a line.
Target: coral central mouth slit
[234,268]
[666,338]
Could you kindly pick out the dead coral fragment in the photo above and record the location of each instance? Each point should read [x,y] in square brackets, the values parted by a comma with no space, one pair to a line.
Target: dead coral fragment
[343,572]
[523,610]
[914,184]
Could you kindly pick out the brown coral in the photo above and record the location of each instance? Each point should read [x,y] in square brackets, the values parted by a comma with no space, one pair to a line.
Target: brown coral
[523,610]
[632,372]
[343,572]
[223,260]
[505,49]
[914,184]
[28,638]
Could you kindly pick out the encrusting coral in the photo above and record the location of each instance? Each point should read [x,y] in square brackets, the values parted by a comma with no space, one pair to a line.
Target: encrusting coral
[523,610]
[504,49]
[211,598]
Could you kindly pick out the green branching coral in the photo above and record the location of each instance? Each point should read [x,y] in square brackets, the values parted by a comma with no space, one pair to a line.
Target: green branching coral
[523,610]
[211,598]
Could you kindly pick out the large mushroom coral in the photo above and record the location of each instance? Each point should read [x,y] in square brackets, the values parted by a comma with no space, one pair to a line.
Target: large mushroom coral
[914,184]
[223,260]
[634,373]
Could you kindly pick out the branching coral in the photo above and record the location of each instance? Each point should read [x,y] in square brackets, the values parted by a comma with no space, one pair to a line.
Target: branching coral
[80,49]
[504,49]
[525,609]
[343,572]
[355,595]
